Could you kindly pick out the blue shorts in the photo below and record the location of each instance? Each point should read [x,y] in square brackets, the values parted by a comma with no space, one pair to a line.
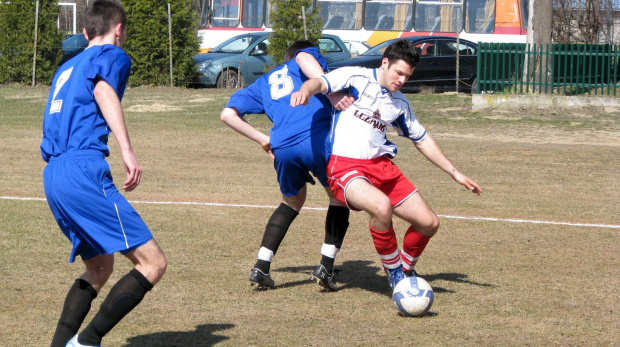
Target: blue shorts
[294,164]
[90,211]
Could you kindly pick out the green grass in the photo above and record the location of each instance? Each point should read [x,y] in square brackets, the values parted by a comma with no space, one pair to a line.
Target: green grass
[497,283]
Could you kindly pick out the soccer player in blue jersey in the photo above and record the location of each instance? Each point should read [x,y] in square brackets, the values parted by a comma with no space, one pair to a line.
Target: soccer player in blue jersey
[299,144]
[84,105]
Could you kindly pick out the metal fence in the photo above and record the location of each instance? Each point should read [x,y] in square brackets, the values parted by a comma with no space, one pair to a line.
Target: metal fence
[565,69]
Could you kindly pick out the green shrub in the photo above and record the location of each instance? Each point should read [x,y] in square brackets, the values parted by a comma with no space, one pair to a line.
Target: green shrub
[288,26]
[17,25]
[148,45]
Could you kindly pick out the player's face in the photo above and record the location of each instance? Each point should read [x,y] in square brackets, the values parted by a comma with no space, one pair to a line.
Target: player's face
[395,75]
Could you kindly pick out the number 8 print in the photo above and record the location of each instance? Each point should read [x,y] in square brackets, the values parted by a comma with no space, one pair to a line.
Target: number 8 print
[281,83]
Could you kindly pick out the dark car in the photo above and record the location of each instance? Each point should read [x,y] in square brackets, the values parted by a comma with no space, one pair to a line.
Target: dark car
[437,66]
[72,45]
[241,60]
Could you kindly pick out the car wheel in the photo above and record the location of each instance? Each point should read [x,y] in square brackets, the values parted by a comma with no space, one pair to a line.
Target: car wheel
[228,79]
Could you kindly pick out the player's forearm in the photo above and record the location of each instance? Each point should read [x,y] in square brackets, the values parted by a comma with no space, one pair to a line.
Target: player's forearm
[110,106]
[238,124]
[429,148]
[314,86]
[307,90]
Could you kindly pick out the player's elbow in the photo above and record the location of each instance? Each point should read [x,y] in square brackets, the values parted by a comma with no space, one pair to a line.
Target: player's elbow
[227,115]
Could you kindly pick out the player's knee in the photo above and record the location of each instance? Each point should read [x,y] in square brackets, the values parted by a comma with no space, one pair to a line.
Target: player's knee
[157,267]
[431,228]
[98,274]
[383,211]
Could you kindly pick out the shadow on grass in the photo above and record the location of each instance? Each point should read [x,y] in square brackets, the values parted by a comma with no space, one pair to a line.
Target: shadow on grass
[204,335]
[365,275]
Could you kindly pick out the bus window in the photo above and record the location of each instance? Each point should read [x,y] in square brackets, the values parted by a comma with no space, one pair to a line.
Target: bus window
[439,16]
[270,8]
[525,10]
[480,16]
[253,13]
[344,15]
[225,13]
[204,14]
[388,15]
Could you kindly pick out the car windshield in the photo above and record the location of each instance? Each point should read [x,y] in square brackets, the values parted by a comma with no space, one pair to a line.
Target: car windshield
[378,49]
[237,44]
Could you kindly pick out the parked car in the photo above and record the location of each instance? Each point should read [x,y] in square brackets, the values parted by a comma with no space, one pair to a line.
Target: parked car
[72,45]
[357,47]
[241,60]
[437,66]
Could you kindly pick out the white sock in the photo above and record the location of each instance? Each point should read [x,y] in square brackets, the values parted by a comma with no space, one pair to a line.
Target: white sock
[329,250]
[265,254]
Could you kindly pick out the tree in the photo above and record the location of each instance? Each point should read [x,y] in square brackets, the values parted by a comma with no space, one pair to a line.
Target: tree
[148,41]
[539,31]
[288,26]
[582,21]
[17,46]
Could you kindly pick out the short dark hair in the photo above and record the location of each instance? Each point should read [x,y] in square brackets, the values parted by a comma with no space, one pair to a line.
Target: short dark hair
[101,15]
[402,50]
[293,48]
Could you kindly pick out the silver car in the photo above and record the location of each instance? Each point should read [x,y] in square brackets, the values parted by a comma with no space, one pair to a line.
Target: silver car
[239,61]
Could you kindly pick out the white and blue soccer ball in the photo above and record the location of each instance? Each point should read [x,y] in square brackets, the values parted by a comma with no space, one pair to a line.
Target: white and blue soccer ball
[413,296]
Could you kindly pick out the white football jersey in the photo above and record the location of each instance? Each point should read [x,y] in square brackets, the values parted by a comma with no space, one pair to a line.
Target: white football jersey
[360,130]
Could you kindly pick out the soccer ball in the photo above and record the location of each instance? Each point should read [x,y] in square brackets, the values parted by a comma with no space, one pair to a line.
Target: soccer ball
[413,296]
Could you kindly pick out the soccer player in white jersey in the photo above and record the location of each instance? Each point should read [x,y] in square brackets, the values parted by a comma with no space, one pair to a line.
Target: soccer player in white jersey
[360,169]
[84,105]
[299,144]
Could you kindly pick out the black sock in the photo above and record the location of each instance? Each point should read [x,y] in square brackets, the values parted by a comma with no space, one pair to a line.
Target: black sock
[328,263]
[123,297]
[76,307]
[336,225]
[263,265]
[276,229]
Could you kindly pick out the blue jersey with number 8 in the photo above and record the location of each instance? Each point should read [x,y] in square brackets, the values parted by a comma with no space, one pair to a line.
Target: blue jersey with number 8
[271,94]
[72,119]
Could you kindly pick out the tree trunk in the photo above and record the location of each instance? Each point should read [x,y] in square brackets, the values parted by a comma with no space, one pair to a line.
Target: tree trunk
[539,31]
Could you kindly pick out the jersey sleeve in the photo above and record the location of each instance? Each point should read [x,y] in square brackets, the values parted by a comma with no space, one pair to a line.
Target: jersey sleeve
[407,124]
[345,77]
[248,100]
[112,66]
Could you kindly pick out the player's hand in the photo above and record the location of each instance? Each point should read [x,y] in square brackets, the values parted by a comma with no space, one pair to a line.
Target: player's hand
[267,147]
[133,169]
[468,183]
[341,100]
[299,98]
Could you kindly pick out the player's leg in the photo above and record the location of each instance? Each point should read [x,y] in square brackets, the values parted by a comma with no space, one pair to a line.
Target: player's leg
[336,224]
[424,225]
[292,178]
[275,231]
[80,296]
[150,265]
[364,196]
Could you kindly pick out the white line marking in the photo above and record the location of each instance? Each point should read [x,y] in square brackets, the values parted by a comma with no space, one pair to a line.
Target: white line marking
[487,219]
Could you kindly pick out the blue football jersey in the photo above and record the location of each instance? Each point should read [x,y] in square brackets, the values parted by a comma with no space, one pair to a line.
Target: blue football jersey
[271,94]
[72,120]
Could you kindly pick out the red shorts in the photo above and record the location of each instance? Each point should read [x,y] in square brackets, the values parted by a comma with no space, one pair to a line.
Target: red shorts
[380,172]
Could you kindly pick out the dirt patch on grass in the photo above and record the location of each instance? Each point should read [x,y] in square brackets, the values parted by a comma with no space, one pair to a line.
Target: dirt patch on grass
[156,107]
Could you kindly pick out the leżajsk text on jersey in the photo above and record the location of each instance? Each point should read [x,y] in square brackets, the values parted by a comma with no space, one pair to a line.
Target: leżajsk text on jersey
[360,130]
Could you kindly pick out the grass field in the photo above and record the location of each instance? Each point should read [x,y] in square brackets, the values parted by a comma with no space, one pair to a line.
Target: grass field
[535,261]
